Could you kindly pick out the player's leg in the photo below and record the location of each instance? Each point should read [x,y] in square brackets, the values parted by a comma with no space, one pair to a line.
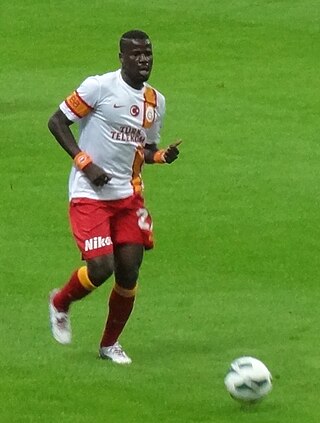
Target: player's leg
[132,233]
[90,224]
[83,281]
[128,259]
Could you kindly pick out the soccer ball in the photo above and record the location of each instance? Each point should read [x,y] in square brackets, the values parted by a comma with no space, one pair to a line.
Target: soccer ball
[248,379]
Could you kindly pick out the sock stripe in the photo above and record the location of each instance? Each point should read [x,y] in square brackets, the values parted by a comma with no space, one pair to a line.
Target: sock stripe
[127,293]
[84,278]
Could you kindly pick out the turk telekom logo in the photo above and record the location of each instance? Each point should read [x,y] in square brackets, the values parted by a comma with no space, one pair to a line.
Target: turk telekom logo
[134,110]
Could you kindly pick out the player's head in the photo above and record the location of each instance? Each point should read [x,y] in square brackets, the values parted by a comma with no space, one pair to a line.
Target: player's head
[135,57]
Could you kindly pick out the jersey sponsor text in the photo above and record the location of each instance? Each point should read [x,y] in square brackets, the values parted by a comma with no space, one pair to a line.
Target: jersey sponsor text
[129,134]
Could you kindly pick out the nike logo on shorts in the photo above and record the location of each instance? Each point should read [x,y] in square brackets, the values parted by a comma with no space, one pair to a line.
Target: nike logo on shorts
[117,106]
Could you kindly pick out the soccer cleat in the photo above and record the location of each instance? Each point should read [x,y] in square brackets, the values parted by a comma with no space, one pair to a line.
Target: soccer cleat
[115,353]
[59,321]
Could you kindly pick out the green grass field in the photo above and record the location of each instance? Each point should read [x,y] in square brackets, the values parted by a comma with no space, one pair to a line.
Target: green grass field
[236,268]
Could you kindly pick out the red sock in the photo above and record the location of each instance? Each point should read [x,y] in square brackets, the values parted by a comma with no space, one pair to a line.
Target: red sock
[79,286]
[121,303]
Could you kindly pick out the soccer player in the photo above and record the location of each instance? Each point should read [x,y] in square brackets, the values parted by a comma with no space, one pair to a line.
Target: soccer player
[120,117]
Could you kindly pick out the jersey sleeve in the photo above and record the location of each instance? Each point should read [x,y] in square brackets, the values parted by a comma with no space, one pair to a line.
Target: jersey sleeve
[153,133]
[83,100]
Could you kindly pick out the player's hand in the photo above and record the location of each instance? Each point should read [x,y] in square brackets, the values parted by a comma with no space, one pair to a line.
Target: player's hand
[171,153]
[96,175]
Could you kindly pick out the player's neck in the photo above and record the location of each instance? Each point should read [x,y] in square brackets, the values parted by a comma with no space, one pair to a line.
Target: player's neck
[133,84]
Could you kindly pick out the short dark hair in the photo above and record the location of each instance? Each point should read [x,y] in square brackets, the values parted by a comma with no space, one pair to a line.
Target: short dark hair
[134,34]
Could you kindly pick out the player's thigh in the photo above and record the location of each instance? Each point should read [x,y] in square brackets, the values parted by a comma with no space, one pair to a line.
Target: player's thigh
[90,223]
[133,224]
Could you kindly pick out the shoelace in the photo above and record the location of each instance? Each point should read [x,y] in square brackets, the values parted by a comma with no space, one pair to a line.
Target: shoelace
[62,320]
[117,349]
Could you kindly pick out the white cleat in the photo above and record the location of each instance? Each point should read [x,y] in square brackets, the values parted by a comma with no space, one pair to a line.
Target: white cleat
[59,321]
[115,353]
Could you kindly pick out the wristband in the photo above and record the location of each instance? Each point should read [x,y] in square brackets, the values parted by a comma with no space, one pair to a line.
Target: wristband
[158,156]
[81,160]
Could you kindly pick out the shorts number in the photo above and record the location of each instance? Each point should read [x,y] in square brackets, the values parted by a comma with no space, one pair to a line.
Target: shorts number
[142,221]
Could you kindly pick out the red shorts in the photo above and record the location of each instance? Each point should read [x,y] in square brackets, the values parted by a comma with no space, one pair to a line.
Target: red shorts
[97,225]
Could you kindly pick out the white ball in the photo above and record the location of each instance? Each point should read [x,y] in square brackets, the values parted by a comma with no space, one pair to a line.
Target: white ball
[248,379]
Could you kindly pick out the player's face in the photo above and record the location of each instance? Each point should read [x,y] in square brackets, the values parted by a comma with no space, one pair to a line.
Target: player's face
[136,60]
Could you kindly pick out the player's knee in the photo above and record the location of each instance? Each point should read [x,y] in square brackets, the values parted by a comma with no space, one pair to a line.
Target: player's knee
[127,278]
[128,259]
[99,274]
[100,269]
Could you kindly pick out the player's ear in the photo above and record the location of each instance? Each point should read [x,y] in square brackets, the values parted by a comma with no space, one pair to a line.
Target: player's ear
[120,57]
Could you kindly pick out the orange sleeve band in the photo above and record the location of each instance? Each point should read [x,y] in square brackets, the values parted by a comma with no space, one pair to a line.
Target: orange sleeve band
[81,160]
[78,106]
[158,156]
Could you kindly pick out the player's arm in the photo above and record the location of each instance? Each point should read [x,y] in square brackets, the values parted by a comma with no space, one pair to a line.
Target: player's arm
[151,152]
[59,126]
[76,106]
[167,155]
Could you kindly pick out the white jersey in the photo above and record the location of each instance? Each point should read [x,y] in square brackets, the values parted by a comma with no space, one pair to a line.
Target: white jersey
[115,121]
